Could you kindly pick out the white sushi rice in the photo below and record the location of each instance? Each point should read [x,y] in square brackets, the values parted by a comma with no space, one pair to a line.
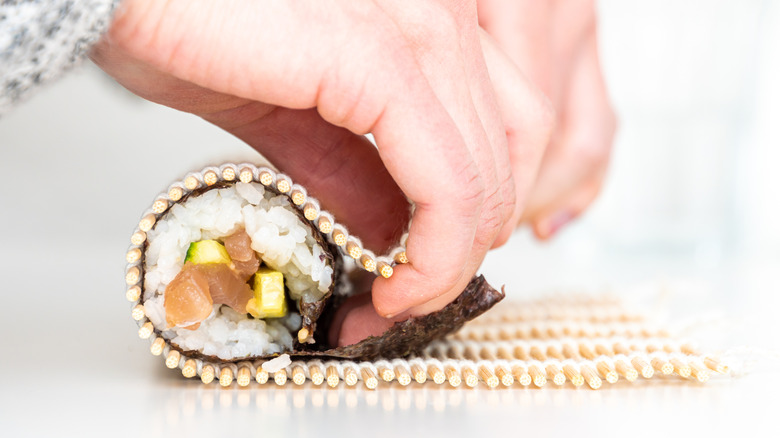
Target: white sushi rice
[281,241]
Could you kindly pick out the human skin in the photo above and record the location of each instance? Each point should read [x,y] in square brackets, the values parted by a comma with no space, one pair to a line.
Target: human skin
[460,130]
[554,42]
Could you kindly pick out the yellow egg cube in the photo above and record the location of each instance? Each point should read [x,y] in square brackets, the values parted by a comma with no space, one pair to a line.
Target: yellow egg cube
[269,300]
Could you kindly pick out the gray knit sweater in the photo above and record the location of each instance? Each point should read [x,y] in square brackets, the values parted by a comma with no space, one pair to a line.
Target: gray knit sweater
[40,39]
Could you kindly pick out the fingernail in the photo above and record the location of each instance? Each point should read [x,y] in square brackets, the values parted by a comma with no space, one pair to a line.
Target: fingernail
[393,315]
[557,221]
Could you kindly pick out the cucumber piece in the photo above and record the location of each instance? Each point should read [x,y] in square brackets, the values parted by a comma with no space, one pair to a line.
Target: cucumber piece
[269,300]
[207,251]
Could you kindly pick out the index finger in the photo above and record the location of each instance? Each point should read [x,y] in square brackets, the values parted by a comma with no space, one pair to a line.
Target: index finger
[425,153]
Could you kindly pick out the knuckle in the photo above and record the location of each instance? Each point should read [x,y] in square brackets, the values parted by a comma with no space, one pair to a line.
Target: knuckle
[537,125]
[510,196]
[492,218]
[591,148]
[339,98]
[351,93]
[438,27]
[588,154]
[472,193]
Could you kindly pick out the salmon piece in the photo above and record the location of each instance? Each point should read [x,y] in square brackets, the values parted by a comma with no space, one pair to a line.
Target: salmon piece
[245,261]
[187,298]
[245,270]
[226,286]
[239,246]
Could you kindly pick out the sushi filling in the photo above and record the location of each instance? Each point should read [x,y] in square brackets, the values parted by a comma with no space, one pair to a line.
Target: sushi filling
[235,262]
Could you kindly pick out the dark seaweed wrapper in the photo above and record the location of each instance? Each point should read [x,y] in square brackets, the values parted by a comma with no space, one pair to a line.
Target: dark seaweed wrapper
[414,334]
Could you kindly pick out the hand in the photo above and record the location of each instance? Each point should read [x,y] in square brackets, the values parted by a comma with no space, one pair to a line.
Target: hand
[554,42]
[300,81]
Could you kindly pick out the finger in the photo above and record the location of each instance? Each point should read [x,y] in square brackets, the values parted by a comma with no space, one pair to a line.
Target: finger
[522,29]
[485,100]
[573,173]
[478,118]
[455,68]
[356,320]
[448,198]
[431,278]
[572,206]
[502,204]
[528,120]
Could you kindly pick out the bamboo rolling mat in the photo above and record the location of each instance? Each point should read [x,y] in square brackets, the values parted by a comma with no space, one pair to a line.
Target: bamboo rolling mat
[565,340]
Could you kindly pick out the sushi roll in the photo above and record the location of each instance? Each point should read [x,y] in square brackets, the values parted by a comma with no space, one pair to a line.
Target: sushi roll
[237,263]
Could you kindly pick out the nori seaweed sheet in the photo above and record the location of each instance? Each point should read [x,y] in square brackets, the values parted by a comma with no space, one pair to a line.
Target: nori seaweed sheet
[414,334]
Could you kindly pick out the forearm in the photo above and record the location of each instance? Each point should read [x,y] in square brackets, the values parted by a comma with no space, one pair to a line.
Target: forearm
[40,39]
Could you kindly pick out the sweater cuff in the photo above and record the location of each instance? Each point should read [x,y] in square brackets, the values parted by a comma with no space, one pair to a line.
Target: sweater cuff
[40,39]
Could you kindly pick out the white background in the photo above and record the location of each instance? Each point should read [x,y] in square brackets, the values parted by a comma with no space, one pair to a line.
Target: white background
[687,226]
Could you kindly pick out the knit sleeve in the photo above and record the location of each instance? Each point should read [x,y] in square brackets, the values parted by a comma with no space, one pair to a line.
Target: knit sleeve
[40,39]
